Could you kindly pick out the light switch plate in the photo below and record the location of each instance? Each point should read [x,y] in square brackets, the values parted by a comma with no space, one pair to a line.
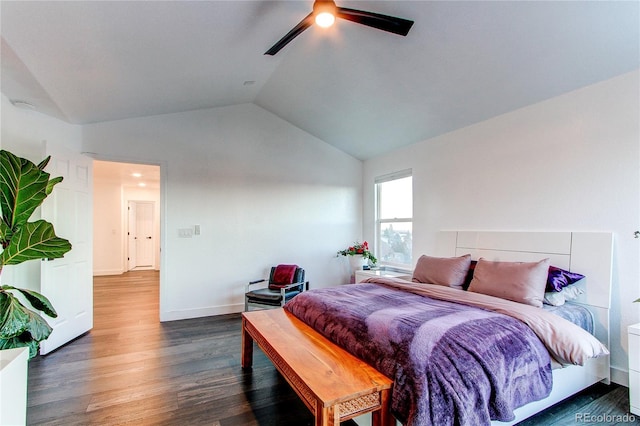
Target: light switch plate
[185,233]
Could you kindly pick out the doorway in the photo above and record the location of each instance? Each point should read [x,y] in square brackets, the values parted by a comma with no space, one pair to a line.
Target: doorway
[126,217]
[140,231]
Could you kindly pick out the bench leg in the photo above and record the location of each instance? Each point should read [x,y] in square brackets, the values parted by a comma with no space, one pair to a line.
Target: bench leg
[246,359]
[327,416]
[383,417]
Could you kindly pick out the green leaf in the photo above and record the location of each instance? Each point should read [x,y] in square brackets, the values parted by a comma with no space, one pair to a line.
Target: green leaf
[44,163]
[53,182]
[23,187]
[37,300]
[38,328]
[20,326]
[14,318]
[5,233]
[35,240]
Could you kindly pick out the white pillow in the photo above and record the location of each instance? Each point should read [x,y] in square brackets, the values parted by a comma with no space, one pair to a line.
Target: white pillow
[554,298]
[571,292]
[557,298]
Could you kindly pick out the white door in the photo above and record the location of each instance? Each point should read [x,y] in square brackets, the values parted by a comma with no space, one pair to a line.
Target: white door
[140,234]
[68,282]
[144,228]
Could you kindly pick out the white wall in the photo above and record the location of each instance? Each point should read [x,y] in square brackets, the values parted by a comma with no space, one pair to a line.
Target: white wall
[24,133]
[569,163]
[108,228]
[263,192]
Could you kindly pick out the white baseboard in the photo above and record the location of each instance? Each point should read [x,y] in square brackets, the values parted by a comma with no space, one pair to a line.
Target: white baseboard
[108,272]
[201,312]
[620,376]
[105,272]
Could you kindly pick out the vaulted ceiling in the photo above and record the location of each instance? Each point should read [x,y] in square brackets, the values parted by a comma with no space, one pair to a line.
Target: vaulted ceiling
[362,90]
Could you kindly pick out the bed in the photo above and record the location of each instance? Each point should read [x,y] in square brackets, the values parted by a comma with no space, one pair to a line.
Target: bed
[588,253]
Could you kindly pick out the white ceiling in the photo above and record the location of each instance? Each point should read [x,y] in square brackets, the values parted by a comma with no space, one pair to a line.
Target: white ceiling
[127,175]
[362,90]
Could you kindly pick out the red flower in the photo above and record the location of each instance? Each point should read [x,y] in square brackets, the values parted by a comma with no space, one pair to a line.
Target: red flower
[359,249]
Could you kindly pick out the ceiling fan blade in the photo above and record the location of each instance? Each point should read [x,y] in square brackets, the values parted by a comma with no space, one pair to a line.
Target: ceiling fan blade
[296,31]
[382,22]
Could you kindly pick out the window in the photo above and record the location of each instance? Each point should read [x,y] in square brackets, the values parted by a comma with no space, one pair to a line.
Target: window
[394,218]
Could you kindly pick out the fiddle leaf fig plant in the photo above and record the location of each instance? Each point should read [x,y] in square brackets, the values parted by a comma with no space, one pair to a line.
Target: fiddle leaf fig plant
[23,188]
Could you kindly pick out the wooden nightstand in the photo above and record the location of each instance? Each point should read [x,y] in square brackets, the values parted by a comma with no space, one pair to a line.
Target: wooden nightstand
[634,368]
[363,275]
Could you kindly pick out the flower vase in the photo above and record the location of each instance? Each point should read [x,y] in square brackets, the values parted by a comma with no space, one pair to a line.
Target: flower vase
[357,262]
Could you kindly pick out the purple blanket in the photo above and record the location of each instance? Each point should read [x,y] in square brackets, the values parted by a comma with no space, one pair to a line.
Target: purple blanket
[451,364]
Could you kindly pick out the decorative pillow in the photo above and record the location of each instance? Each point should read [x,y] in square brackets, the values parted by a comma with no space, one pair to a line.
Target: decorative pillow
[282,276]
[554,298]
[559,278]
[557,298]
[571,292]
[522,282]
[447,271]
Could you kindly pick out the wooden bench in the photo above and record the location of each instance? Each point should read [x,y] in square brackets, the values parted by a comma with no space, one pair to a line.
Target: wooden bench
[333,384]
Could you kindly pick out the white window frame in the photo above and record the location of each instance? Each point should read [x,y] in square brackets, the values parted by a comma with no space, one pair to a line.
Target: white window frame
[379,222]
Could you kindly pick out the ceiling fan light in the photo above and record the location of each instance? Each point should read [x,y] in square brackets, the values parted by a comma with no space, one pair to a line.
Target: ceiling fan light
[325,19]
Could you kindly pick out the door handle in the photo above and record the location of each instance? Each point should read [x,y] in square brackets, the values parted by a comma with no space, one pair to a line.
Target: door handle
[148,238]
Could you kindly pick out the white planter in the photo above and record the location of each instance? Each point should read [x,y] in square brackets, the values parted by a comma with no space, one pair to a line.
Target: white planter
[13,386]
[357,262]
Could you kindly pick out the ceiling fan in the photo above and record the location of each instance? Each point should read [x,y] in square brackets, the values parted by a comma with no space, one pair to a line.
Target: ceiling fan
[324,14]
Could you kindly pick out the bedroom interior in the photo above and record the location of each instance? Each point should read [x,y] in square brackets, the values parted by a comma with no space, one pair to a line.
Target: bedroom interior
[508,118]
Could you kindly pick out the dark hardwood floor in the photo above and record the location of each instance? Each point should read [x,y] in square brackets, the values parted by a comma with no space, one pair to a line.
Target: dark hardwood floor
[132,369]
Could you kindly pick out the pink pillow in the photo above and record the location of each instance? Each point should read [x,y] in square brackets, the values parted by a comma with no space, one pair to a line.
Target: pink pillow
[522,282]
[448,271]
